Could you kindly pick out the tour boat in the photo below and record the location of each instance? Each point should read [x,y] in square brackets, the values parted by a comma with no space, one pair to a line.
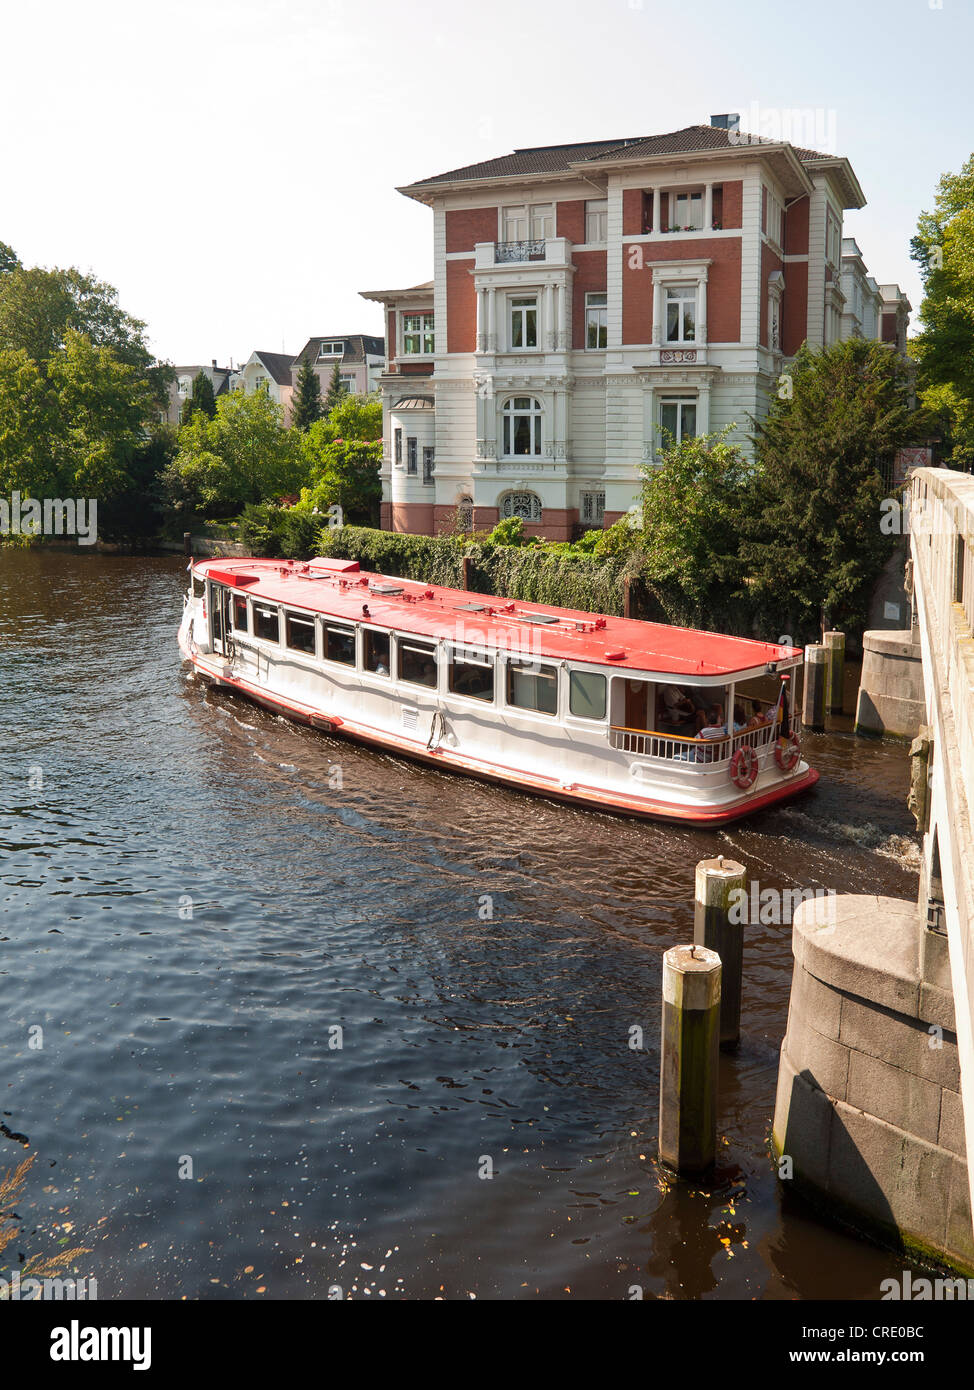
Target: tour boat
[609,713]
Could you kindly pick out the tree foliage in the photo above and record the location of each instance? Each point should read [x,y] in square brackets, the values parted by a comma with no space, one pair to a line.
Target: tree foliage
[814,546]
[307,397]
[243,454]
[201,398]
[336,391]
[943,249]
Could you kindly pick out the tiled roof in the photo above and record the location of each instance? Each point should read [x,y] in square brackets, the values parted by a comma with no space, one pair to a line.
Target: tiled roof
[278,364]
[555,159]
[355,348]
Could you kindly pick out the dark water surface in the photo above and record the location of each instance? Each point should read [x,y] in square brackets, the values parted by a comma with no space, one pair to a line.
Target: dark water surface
[362,906]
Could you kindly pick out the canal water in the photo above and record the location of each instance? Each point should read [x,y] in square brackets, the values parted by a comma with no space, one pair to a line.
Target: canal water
[199,902]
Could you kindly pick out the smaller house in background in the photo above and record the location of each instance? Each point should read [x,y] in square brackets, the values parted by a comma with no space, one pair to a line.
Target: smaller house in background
[182,387]
[268,371]
[361,360]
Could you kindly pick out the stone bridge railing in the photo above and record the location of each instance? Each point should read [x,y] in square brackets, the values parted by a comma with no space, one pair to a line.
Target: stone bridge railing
[941,519]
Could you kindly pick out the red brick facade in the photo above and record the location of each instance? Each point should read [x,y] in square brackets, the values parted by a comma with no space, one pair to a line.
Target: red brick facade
[461,307]
[590,278]
[794,307]
[465,227]
[796,228]
[571,220]
[723,286]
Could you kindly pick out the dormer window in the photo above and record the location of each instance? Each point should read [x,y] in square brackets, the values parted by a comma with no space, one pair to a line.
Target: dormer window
[333,348]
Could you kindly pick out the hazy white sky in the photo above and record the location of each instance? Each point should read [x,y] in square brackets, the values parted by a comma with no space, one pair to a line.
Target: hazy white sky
[231,165]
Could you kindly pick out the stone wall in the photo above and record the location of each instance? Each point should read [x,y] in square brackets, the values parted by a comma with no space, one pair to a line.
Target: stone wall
[891,697]
[868,1105]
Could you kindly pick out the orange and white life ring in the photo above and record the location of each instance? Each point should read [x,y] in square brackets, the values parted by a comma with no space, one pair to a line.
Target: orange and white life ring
[787,751]
[744,767]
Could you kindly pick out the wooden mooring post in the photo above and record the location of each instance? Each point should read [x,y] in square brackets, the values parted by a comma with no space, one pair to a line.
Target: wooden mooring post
[813,697]
[835,645]
[688,1059]
[717,926]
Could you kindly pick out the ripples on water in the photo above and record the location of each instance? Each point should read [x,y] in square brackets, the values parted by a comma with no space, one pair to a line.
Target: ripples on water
[210,1036]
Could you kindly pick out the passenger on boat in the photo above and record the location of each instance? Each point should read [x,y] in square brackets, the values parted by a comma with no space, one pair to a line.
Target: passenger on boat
[758,718]
[677,707]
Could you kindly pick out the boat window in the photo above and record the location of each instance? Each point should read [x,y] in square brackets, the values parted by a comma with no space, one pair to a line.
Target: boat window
[531,686]
[472,678]
[586,694]
[417,663]
[267,623]
[199,586]
[299,633]
[240,614]
[376,652]
[338,643]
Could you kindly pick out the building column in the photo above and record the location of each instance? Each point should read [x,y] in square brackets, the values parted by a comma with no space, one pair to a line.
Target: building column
[708,206]
[657,199]
[481,320]
[649,423]
[703,409]
[550,324]
[491,320]
[702,309]
[657,311]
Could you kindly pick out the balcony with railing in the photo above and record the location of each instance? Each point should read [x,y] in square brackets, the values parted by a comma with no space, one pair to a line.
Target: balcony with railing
[552,251]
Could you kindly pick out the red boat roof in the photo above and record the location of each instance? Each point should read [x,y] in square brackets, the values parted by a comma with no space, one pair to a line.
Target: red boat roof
[340,589]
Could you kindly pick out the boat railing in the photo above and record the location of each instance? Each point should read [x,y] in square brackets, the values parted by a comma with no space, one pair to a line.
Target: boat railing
[650,743]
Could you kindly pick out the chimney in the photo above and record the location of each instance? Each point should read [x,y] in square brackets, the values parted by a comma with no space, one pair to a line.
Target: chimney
[730,120]
[213,361]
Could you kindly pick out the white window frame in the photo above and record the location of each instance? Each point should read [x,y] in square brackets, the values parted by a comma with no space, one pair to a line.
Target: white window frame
[597,221]
[773,217]
[680,294]
[520,222]
[423,334]
[350,384]
[511,413]
[331,348]
[519,306]
[592,312]
[681,402]
[693,197]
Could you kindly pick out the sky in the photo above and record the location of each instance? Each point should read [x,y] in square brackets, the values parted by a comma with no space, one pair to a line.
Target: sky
[230,166]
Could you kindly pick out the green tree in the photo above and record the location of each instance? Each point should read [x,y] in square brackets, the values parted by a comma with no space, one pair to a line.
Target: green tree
[244,454]
[815,546]
[9,260]
[694,504]
[943,249]
[201,397]
[346,472]
[38,307]
[354,417]
[307,397]
[336,391]
[103,404]
[29,428]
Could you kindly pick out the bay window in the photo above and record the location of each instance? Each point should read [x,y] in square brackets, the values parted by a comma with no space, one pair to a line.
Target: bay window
[417,334]
[524,321]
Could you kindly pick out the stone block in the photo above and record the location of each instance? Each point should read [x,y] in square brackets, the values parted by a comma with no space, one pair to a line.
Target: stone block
[934,958]
[937,1006]
[951,1133]
[824,1061]
[815,1003]
[885,1034]
[959,1236]
[802,1125]
[890,1176]
[869,949]
[894,1095]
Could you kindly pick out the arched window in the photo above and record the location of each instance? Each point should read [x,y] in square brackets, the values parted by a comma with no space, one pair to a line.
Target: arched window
[526,505]
[465,512]
[522,426]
